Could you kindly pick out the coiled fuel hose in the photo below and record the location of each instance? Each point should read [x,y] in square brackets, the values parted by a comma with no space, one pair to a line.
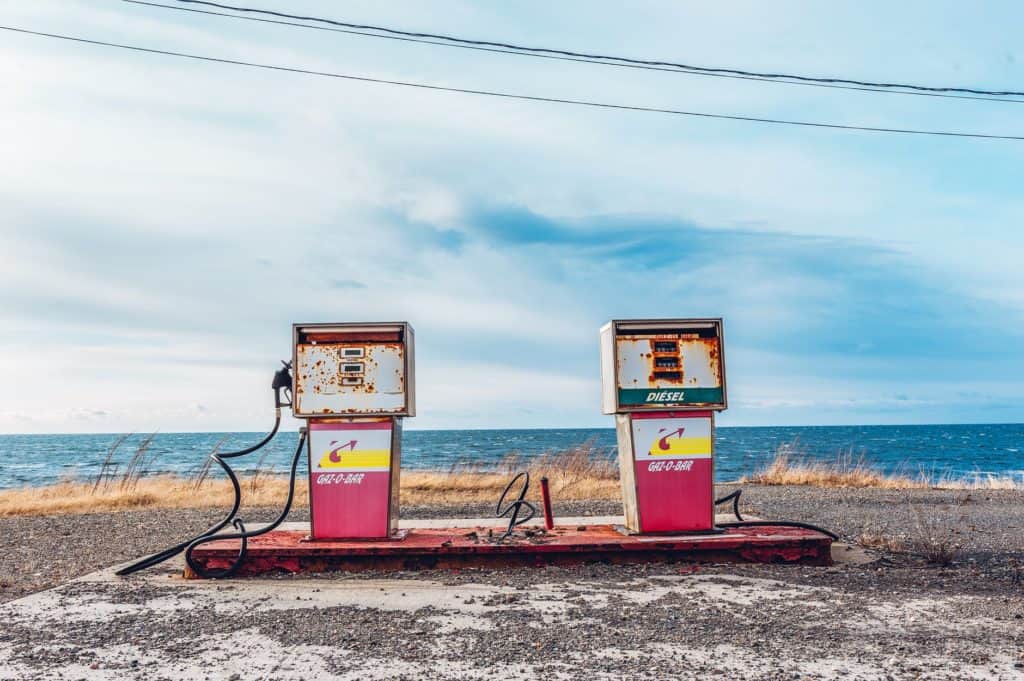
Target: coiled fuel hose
[516,505]
[242,533]
[735,498]
[281,383]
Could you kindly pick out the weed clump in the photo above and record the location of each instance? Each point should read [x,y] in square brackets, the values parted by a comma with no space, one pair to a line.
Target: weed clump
[791,466]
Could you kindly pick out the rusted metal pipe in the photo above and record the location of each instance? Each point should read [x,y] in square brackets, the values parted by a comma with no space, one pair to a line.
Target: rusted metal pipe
[545,495]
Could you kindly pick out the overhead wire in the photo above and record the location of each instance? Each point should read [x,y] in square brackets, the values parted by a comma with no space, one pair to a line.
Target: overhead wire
[584,60]
[603,58]
[515,96]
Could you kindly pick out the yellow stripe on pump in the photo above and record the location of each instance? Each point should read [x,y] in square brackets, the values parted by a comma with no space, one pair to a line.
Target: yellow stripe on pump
[360,458]
[680,446]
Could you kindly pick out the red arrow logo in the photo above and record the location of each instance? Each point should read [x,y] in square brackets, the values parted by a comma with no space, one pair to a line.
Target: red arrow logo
[663,442]
[334,456]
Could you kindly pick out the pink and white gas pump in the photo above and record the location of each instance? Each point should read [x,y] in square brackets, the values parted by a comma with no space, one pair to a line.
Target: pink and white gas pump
[664,379]
[353,384]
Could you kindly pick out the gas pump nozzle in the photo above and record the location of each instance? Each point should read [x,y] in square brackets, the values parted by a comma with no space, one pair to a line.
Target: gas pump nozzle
[283,381]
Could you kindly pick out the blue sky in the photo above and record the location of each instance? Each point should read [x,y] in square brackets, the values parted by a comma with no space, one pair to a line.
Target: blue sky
[164,222]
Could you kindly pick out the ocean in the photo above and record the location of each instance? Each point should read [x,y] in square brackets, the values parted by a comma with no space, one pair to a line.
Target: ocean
[934,450]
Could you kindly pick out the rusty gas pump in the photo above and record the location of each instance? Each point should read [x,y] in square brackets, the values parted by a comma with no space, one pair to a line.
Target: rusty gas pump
[353,384]
[664,379]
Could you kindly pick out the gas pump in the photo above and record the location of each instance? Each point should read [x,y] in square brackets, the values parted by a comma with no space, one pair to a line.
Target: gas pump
[353,384]
[664,379]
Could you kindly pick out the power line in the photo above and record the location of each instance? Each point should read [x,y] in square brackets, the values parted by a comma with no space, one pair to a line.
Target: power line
[606,58]
[478,48]
[510,95]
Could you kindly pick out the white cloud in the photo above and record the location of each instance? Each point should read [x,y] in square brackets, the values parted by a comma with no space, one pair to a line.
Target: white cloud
[164,222]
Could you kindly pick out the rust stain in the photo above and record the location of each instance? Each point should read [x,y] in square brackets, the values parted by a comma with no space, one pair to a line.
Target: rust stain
[332,368]
[289,551]
[665,360]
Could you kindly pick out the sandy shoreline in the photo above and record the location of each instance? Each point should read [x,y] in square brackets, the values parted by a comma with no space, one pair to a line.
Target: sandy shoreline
[894,615]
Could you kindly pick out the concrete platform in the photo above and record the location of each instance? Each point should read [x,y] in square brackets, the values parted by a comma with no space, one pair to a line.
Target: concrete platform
[433,546]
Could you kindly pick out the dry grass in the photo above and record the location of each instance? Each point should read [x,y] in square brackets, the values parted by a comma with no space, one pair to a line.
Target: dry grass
[163,491]
[933,534]
[790,467]
[881,539]
[581,472]
[936,534]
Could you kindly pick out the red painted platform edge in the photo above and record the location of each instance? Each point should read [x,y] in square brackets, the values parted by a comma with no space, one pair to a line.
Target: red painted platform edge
[290,551]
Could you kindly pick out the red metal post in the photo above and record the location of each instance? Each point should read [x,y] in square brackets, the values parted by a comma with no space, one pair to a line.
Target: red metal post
[545,495]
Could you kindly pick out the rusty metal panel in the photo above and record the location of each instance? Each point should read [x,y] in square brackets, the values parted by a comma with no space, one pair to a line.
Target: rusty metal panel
[353,370]
[662,364]
[668,361]
[461,547]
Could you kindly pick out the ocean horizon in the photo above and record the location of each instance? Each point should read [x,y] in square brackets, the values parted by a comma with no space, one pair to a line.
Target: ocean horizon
[936,451]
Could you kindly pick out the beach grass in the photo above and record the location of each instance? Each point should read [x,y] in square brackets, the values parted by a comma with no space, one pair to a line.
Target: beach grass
[791,467]
[583,472]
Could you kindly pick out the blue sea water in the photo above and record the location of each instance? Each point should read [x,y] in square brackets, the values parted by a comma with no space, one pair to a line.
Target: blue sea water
[935,450]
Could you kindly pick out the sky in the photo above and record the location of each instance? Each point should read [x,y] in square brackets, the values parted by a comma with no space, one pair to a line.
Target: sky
[163,222]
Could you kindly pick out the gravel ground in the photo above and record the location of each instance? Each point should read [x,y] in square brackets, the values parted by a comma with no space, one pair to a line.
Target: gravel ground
[40,552]
[985,530]
[941,598]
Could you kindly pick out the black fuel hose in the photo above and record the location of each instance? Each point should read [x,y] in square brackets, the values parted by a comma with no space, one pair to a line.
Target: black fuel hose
[783,523]
[170,552]
[242,534]
[735,498]
[516,505]
[259,445]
